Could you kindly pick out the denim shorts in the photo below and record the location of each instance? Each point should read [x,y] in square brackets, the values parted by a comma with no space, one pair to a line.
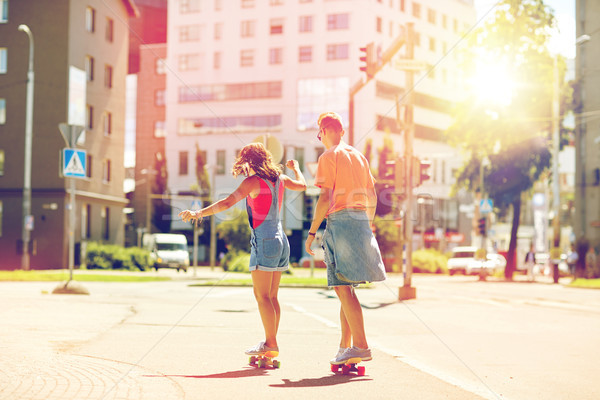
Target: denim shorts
[352,254]
[269,252]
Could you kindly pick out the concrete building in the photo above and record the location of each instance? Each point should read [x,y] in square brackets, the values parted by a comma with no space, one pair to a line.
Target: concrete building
[80,63]
[587,128]
[242,70]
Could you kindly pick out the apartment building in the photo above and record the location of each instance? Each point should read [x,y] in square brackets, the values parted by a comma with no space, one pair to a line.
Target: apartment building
[245,69]
[80,61]
[587,129]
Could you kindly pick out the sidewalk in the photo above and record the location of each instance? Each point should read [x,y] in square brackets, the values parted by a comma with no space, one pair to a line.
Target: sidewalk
[165,340]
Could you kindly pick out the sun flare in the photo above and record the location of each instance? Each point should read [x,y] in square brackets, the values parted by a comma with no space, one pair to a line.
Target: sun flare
[492,83]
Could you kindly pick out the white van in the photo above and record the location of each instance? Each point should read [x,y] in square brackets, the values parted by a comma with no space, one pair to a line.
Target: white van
[168,250]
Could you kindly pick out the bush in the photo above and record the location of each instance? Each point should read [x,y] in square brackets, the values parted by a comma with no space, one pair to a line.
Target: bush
[236,261]
[110,256]
[429,261]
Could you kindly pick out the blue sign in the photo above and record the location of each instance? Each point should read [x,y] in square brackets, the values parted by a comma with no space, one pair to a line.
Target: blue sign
[74,163]
[486,206]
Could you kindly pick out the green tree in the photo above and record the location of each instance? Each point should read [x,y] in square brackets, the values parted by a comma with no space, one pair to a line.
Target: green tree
[235,231]
[161,215]
[513,134]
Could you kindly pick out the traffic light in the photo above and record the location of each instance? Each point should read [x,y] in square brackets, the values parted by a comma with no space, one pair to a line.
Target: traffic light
[309,204]
[481,225]
[367,59]
[420,173]
[399,177]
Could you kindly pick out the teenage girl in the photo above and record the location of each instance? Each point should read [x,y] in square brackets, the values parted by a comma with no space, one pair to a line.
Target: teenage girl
[270,250]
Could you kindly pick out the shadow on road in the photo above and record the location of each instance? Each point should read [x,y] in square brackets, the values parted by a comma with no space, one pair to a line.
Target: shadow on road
[243,373]
[329,380]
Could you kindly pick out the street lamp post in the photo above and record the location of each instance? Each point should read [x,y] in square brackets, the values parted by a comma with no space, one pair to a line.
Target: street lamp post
[27,219]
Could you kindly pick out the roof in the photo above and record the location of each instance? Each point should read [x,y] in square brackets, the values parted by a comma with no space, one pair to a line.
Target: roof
[131,8]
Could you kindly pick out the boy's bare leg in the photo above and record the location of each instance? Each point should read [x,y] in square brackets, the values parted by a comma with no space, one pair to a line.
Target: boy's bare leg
[353,314]
[346,340]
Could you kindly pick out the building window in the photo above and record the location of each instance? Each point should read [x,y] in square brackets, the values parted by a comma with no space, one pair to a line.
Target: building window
[220,162]
[305,54]
[217,60]
[189,62]
[89,68]
[455,25]
[86,221]
[431,44]
[247,28]
[189,33]
[305,23]
[276,25]
[108,76]
[402,5]
[159,97]
[417,39]
[227,92]
[160,66]
[1,162]
[110,30]
[218,5]
[160,129]
[247,3]
[2,111]
[89,117]
[88,166]
[337,51]
[276,55]
[239,124]
[431,16]
[189,6]
[105,215]
[378,24]
[218,31]
[416,10]
[276,2]
[444,21]
[338,21]
[3,60]
[107,123]
[90,19]
[3,10]
[299,156]
[106,171]
[183,163]
[312,94]
[247,58]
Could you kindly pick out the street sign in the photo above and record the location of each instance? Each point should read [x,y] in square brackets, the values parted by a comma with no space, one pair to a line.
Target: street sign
[486,206]
[74,163]
[70,133]
[410,65]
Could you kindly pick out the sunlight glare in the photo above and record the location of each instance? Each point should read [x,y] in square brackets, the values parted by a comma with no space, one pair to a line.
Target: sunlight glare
[492,83]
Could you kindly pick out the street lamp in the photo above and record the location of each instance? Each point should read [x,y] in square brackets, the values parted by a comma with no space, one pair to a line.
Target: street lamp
[27,218]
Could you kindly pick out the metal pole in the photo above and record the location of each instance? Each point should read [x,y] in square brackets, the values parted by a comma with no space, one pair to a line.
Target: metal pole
[72,224]
[555,172]
[25,261]
[213,225]
[408,157]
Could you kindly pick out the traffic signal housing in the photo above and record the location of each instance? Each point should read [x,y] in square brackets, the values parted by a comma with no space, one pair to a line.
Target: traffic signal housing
[420,171]
[367,59]
[481,225]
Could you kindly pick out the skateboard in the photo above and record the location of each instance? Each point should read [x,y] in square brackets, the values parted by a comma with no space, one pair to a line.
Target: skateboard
[265,360]
[349,366]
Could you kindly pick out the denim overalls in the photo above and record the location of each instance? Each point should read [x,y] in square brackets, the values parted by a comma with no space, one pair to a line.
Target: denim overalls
[269,246]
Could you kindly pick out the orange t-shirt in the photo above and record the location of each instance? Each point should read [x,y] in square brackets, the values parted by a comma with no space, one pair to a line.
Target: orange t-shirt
[346,171]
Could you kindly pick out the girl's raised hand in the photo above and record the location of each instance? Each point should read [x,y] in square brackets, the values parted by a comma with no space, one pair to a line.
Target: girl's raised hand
[292,164]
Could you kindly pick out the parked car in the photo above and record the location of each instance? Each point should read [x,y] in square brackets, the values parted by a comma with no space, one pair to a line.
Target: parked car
[462,257]
[464,261]
[168,250]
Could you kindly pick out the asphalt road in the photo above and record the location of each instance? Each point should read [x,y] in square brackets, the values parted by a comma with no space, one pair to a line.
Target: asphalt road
[460,339]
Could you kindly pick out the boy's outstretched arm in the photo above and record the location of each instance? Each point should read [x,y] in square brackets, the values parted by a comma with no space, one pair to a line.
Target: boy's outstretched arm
[318,217]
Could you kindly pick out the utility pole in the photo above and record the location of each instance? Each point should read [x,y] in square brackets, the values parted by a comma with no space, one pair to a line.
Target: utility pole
[407,291]
[555,253]
[27,217]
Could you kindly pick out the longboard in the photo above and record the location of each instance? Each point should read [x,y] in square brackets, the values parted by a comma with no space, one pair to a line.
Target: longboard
[349,366]
[265,360]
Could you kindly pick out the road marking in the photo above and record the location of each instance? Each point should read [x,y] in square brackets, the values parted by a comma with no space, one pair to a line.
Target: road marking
[323,320]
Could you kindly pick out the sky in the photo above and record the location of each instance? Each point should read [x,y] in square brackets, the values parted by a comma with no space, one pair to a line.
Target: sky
[563,40]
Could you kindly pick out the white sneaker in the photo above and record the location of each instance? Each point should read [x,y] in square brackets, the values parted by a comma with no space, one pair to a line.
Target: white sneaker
[341,351]
[352,352]
[260,349]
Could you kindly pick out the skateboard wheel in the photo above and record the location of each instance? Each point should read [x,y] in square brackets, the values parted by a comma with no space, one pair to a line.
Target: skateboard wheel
[276,364]
[335,368]
[261,363]
[252,360]
[360,371]
[345,369]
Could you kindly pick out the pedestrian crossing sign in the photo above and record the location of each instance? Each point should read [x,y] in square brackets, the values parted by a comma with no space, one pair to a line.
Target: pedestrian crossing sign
[486,206]
[73,163]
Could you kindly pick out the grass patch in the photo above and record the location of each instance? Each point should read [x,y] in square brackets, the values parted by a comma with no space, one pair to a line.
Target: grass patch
[585,283]
[286,281]
[42,276]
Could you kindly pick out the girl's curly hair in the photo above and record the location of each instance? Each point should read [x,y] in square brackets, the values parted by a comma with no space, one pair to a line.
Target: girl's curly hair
[257,157]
